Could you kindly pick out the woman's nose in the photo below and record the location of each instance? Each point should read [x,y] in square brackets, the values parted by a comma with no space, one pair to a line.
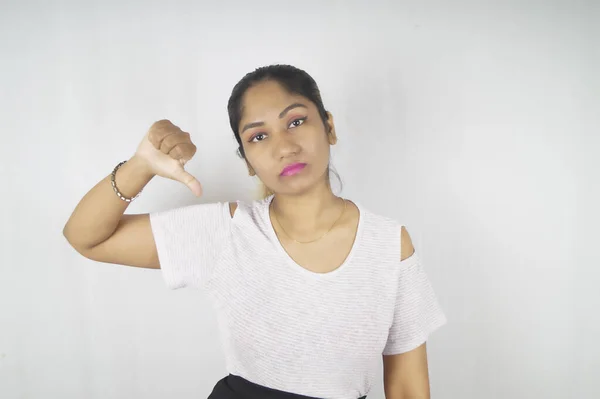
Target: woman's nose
[286,145]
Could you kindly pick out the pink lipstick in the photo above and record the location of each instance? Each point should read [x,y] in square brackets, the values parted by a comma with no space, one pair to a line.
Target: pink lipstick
[292,169]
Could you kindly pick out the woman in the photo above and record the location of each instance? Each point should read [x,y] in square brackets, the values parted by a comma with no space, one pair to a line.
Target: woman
[312,290]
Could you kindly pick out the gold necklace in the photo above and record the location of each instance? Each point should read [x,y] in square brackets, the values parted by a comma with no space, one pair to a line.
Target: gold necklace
[308,242]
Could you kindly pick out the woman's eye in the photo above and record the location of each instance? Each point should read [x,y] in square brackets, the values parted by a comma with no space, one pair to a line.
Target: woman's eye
[254,139]
[262,136]
[301,120]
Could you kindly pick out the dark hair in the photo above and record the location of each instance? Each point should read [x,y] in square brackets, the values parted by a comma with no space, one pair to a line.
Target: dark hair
[294,80]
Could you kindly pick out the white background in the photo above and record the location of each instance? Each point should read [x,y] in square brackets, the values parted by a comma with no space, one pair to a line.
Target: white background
[476,124]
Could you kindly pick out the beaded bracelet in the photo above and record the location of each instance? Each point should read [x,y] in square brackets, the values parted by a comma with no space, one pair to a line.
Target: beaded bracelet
[114,184]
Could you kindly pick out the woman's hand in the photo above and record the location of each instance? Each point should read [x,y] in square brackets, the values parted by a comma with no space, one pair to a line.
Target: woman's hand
[165,150]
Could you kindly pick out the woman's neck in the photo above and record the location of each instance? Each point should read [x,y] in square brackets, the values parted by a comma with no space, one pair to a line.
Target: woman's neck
[303,216]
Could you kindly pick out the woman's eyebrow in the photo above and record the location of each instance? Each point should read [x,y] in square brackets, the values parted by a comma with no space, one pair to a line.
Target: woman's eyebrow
[281,115]
[290,107]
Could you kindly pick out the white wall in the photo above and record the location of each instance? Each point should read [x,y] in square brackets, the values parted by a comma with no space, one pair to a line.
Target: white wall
[474,123]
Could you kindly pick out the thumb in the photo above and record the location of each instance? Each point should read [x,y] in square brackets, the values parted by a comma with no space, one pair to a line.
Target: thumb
[184,177]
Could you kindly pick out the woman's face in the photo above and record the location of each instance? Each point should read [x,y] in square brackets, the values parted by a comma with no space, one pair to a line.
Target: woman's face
[279,129]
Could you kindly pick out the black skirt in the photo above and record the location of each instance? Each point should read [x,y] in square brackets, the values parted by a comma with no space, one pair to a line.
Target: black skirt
[236,387]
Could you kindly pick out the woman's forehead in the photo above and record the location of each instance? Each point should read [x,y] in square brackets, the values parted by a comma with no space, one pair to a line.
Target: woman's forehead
[268,100]
[268,93]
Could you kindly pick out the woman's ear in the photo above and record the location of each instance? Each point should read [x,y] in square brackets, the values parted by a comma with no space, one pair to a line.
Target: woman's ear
[330,126]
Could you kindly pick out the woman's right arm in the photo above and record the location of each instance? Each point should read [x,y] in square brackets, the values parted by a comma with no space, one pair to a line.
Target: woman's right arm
[98,228]
[100,231]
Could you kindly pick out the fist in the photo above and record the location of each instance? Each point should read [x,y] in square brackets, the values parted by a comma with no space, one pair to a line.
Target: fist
[166,149]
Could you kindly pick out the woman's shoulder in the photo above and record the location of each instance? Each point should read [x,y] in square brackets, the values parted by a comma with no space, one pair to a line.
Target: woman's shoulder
[232,207]
[385,228]
[366,212]
[379,218]
[247,206]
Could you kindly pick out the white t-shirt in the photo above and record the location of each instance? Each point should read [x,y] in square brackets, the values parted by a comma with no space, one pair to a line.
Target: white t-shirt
[285,327]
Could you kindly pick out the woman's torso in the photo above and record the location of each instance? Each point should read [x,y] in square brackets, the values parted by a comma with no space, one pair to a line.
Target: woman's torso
[312,323]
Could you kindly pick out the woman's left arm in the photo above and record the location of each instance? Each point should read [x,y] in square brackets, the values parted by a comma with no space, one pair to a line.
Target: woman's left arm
[406,375]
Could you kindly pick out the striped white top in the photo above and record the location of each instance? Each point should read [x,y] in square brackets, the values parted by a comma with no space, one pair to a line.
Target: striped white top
[285,327]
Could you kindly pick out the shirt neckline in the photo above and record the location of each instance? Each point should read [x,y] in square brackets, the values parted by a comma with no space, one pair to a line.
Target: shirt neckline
[292,263]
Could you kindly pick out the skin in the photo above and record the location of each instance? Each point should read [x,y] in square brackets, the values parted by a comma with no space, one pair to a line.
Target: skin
[304,203]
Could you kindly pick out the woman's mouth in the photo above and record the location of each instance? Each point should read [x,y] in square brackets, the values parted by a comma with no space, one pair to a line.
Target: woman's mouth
[292,169]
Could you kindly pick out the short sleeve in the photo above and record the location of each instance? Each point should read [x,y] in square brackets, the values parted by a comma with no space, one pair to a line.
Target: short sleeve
[417,312]
[190,242]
